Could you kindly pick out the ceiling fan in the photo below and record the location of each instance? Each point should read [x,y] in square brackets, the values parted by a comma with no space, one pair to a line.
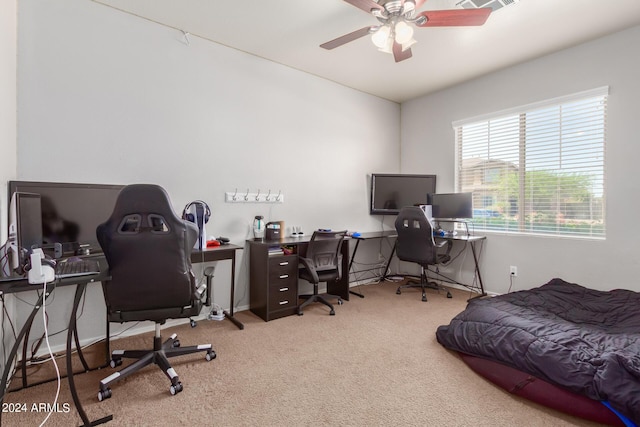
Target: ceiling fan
[395,34]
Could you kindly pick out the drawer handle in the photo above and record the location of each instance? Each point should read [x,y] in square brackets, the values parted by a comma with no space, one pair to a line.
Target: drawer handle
[284,276]
[283,302]
[284,289]
[284,263]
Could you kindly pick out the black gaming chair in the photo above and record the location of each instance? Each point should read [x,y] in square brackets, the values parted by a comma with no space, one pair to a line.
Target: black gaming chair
[322,263]
[148,249]
[415,243]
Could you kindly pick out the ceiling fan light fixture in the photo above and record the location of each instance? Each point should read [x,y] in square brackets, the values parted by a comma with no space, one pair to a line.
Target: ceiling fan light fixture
[404,32]
[408,44]
[380,38]
[388,46]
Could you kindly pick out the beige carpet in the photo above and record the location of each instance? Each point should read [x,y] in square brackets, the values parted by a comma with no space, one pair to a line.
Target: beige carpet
[376,362]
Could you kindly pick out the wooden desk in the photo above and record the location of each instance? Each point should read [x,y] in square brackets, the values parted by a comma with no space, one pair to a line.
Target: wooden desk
[273,278]
[220,253]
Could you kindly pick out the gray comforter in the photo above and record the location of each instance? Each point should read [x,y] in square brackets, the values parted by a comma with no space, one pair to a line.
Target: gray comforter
[584,340]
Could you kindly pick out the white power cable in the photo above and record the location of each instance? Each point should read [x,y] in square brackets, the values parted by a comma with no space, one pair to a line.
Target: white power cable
[53,359]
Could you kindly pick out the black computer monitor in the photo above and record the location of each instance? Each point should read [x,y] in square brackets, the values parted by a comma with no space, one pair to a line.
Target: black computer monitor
[70,212]
[392,192]
[451,205]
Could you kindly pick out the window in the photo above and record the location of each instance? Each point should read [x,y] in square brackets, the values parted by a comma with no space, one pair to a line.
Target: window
[537,169]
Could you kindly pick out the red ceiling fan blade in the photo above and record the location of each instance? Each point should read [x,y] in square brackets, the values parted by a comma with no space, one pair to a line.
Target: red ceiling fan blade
[399,54]
[455,17]
[365,5]
[346,38]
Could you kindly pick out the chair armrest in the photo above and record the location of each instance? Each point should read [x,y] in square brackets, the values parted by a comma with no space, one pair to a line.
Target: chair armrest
[439,243]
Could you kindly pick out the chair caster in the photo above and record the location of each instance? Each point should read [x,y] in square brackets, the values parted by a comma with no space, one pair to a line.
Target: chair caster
[175,343]
[115,362]
[193,323]
[175,388]
[210,355]
[104,394]
[398,291]
[340,302]
[300,313]
[449,295]
[332,312]
[424,298]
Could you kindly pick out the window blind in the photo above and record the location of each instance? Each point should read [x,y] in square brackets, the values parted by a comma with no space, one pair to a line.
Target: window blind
[538,169]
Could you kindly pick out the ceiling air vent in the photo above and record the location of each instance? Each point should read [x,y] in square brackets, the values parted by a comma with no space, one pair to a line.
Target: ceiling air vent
[493,4]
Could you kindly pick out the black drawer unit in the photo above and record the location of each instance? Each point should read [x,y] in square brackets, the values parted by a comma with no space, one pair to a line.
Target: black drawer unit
[273,283]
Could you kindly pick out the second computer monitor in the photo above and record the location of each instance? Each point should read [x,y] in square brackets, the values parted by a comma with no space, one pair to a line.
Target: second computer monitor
[451,205]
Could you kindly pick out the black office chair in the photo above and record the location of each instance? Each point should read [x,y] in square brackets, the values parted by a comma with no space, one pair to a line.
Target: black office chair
[148,249]
[415,243]
[322,263]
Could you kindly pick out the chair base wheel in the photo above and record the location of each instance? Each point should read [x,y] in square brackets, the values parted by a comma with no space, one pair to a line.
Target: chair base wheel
[115,362]
[449,295]
[398,292]
[104,394]
[332,313]
[210,355]
[175,388]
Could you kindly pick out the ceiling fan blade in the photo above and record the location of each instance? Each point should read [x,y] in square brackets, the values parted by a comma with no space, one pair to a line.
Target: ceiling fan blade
[346,38]
[455,17]
[365,5]
[399,54]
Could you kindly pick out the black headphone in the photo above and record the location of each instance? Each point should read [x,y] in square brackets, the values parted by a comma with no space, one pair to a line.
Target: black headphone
[197,203]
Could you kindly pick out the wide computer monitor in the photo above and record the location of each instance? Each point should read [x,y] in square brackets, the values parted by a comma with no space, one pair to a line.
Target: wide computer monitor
[392,192]
[70,212]
[451,205]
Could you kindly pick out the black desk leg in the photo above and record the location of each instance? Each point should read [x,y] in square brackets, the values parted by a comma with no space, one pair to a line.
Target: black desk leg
[16,345]
[71,332]
[227,315]
[475,260]
[386,268]
[351,265]
[233,294]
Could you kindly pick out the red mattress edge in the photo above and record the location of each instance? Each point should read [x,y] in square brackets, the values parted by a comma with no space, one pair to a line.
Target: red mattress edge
[541,392]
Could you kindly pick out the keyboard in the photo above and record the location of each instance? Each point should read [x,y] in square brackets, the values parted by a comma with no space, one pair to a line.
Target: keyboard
[83,267]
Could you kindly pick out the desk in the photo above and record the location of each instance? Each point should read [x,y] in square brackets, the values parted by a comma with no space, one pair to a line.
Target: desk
[471,240]
[81,284]
[219,253]
[273,277]
[367,236]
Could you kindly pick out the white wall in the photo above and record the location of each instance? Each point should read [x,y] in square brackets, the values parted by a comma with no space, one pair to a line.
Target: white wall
[8,118]
[107,97]
[428,146]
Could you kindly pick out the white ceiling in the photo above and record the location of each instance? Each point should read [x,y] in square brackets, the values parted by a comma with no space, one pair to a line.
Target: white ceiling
[289,32]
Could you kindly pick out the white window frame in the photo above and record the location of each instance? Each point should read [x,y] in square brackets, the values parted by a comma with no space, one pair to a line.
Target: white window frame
[521,112]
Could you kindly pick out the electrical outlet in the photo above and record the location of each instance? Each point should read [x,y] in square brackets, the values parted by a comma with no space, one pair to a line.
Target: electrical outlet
[513,271]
